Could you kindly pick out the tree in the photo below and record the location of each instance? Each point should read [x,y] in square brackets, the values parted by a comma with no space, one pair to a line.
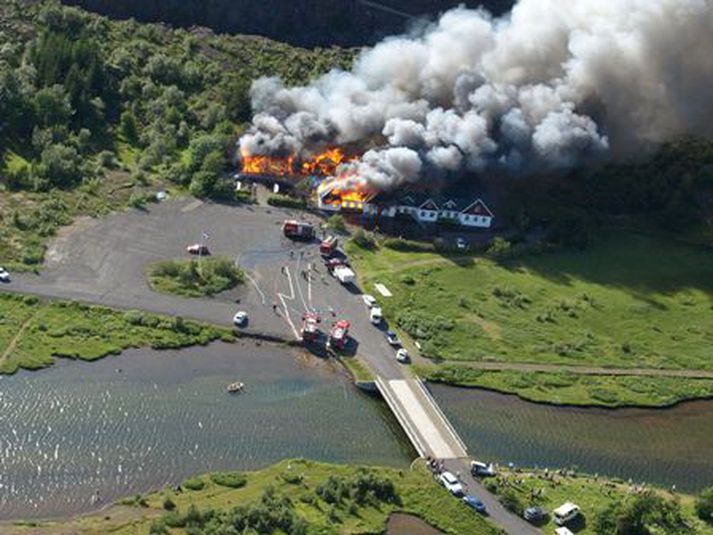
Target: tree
[645,514]
[704,505]
[60,165]
[129,127]
[52,106]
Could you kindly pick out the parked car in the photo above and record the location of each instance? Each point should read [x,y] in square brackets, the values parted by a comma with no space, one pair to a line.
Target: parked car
[240,318]
[534,514]
[402,356]
[565,513]
[480,469]
[392,338]
[375,315]
[563,531]
[475,504]
[4,275]
[451,483]
[198,249]
[462,244]
[369,300]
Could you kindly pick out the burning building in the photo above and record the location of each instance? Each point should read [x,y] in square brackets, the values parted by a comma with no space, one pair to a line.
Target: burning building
[339,196]
[292,169]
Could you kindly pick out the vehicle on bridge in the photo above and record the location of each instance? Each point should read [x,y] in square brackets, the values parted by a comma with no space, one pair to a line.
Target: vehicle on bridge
[298,230]
[402,356]
[451,483]
[310,328]
[338,335]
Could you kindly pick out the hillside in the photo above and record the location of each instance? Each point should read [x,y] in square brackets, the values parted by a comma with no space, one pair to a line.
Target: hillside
[97,114]
[304,22]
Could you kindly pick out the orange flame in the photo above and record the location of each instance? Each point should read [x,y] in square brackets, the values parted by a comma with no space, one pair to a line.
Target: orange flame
[322,164]
[344,193]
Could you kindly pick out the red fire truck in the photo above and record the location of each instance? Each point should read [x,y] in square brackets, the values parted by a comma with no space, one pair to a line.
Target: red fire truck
[328,245]
[338,335]
[298,230]
[310,329]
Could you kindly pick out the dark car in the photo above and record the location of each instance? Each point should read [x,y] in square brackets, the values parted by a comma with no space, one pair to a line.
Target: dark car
[534,514]
[475,504]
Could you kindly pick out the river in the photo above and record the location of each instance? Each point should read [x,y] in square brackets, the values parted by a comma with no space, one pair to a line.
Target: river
[143,419]
[130,423]
[671,446]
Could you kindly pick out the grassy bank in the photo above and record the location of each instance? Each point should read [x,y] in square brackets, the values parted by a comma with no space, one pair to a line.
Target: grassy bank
[34,332]
[304,496]
[576,389]
[629,301]
[357,368]
[194,278]
[599,499]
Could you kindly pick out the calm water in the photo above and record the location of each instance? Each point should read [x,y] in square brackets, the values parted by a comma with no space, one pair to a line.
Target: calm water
[672,446]
[82,428]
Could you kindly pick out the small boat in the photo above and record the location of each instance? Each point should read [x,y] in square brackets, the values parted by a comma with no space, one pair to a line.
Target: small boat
[236,387]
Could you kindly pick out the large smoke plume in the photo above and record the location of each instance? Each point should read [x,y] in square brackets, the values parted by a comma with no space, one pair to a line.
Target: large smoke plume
[553,84]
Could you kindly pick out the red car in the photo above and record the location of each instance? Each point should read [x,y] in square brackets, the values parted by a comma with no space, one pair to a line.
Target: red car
[198,249]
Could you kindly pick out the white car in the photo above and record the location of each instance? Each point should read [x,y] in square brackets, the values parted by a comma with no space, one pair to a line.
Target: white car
[4,275]
[451,483]
[462,244]
[402,356]
[369,300]
[375,315]
[240,318]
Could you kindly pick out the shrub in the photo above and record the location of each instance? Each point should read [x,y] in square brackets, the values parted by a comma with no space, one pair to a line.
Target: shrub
[511,502]
[364,239]
[704,505]
[337,223]
[286,202]
[233,480]
[403,245]
[500,248]
[194,483]
[168,504]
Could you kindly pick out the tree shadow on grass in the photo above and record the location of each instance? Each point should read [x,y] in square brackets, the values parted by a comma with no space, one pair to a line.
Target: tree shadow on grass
[642,265]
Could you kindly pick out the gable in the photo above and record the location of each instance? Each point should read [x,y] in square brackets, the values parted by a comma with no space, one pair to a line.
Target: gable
[429,205]
[450,205]
[478,208]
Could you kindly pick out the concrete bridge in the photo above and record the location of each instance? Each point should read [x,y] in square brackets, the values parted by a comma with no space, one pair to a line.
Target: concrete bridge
[426,426]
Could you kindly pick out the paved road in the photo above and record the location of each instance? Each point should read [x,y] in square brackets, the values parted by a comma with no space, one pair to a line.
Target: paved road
[105,261]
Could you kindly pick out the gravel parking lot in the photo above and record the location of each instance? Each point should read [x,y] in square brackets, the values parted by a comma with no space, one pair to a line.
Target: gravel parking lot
[105,261]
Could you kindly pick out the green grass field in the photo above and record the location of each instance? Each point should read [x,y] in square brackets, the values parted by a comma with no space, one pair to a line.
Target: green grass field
[33,332]
[298,480]
[630,301]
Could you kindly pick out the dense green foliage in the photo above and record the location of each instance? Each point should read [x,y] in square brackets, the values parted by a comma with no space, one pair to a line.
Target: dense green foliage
[645,514]
[704,505]
[195,278]
[286,202]
[674,187]
[33,333]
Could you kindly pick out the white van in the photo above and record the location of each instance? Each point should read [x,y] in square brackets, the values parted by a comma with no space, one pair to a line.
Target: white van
[375,315]
[565,513]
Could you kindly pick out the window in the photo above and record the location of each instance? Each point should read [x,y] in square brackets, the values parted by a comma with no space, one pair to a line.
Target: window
[423,214]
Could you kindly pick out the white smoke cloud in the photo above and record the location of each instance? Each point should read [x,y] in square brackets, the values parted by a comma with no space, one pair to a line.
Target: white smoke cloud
[552,84]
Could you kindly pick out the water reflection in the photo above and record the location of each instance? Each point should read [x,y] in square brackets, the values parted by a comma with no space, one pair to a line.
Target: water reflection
[144,419]
[671,446]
